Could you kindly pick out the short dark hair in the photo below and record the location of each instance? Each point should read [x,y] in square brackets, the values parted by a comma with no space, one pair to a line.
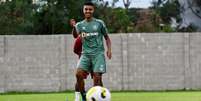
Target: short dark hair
[89,4]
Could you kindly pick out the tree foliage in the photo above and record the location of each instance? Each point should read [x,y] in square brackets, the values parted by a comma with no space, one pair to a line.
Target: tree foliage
[16,17]
[198,2]
[52,16]
[168,9]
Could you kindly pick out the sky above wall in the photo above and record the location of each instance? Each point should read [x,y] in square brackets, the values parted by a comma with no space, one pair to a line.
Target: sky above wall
[134,3]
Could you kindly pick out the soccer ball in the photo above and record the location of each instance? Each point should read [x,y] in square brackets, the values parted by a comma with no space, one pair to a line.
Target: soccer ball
[98,93]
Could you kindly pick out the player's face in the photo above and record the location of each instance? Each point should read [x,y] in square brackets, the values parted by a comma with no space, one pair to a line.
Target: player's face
[88,11]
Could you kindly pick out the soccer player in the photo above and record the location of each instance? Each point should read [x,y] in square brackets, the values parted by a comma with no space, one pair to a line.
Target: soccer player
[77,49]
[91,31]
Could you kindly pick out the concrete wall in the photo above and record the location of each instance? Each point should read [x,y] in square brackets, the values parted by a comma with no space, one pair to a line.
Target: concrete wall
[141,61]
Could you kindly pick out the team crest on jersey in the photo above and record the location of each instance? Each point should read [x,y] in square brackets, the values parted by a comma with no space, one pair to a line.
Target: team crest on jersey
[95,27]
[83,28]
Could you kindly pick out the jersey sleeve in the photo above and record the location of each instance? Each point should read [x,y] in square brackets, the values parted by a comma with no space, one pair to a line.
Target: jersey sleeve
[77,28]
[103,28]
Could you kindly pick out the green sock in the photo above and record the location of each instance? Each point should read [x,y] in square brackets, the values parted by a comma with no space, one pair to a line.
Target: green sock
[83,94]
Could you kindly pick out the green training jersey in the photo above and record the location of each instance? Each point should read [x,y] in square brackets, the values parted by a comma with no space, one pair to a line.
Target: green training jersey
[92,33]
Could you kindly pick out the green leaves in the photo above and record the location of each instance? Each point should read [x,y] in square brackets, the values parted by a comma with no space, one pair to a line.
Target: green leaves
[14,16]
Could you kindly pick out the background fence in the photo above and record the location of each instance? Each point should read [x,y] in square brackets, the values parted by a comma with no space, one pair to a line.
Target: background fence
[141,61]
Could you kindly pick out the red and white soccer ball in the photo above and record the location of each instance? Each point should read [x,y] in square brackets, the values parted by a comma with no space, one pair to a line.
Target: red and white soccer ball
[98,93]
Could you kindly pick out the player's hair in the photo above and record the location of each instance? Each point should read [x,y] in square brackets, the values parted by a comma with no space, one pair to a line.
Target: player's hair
[89,4]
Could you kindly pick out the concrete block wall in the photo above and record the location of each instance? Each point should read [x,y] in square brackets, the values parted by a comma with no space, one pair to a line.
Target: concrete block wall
[195,60]
[155,61]
[141,61]
[32,63]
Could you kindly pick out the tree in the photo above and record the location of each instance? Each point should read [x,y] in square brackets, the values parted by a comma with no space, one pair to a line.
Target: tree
[50,19]
[165,11]
[16,17]
[114,2]
[52,16]
[168,10]
[195,7]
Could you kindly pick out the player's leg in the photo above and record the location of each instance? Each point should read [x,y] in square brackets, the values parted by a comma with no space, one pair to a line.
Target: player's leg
[99,67]
[80,82]
[79,86]
[81,74]
[97,79]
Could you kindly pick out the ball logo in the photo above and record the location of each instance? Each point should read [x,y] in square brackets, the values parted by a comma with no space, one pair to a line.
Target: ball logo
[93,99]
[103,93]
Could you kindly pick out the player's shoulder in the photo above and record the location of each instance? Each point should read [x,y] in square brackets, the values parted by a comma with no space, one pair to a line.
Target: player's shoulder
[99,20]
[79,23]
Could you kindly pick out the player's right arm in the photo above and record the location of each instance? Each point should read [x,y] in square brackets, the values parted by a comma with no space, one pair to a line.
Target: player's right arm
[74,31]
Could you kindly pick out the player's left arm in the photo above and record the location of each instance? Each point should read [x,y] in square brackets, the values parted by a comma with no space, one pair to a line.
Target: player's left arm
[108,43]
[107,39]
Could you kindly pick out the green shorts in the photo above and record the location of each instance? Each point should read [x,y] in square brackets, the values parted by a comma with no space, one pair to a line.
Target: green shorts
[92,63]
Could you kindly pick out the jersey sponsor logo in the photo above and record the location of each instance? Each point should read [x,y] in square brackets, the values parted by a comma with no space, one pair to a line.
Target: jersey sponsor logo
[88,34]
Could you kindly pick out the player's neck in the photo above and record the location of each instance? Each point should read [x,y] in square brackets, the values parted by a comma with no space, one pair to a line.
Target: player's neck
[89,19]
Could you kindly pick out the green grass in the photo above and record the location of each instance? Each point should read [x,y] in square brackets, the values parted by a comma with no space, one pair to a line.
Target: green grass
[116,96]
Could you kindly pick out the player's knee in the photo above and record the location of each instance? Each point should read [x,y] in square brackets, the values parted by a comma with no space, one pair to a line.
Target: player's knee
[80,74]
[97,79]
[97,75]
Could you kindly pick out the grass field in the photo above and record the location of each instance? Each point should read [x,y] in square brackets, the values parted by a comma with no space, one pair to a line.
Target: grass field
[116,96]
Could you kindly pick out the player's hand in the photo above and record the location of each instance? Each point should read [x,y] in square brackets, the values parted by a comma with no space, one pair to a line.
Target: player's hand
[109,54]
[72,22]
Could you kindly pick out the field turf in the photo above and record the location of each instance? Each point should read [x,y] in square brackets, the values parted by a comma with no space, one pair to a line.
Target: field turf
[116,96]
